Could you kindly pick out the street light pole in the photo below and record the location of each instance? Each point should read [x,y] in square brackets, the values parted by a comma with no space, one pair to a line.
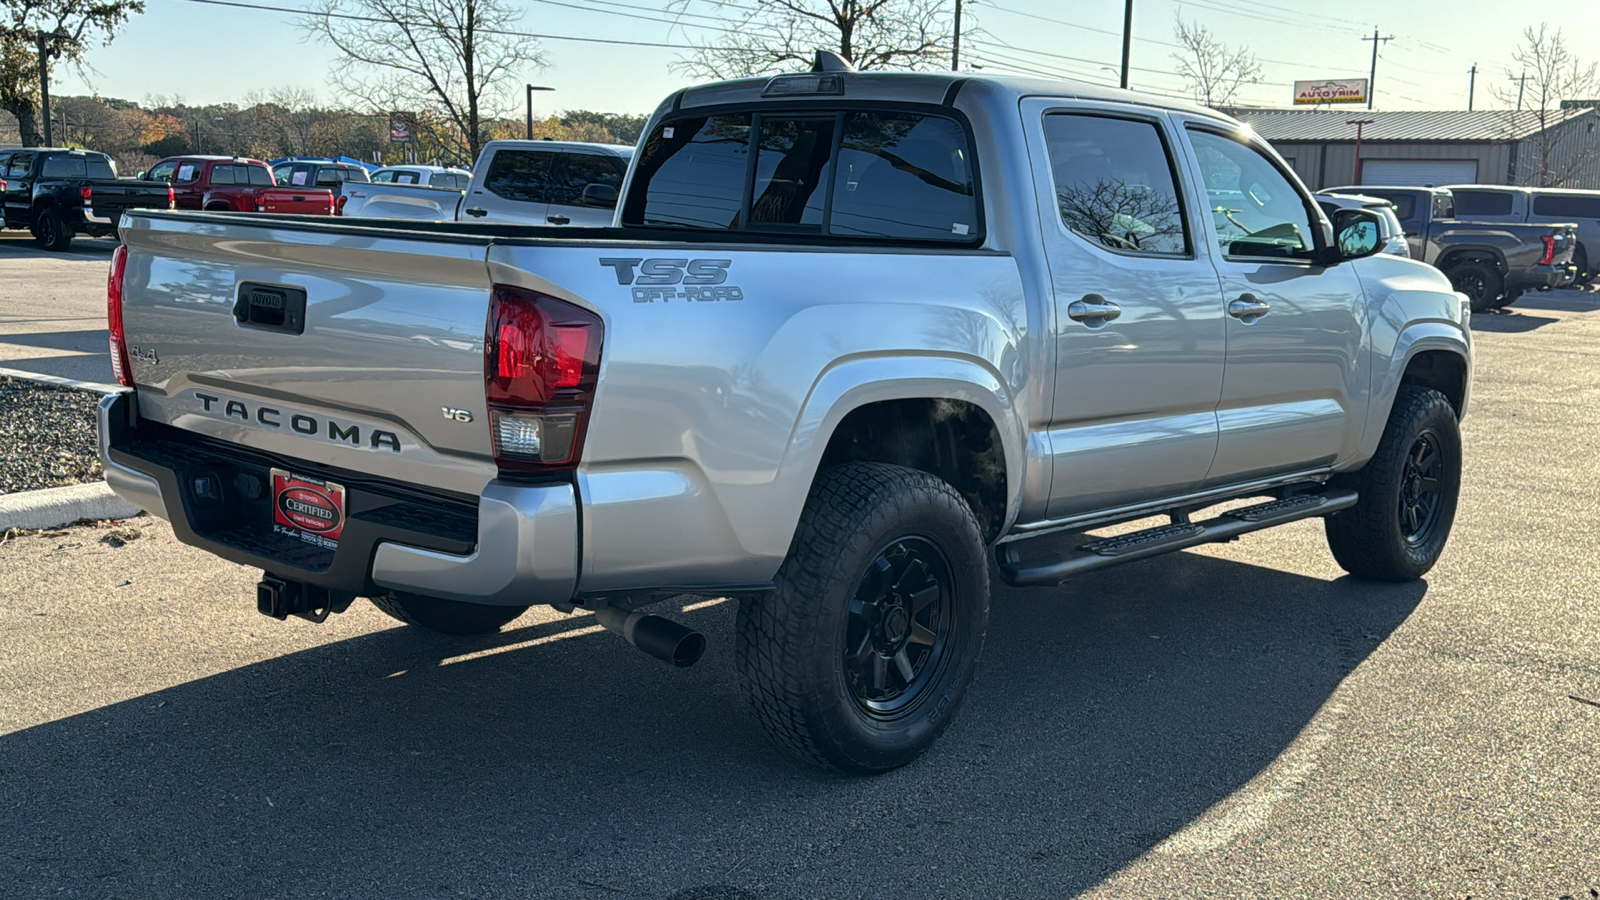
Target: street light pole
[1127,39]
[531,89]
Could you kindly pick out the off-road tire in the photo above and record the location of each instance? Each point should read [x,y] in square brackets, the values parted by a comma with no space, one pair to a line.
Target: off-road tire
[1480,281]
[52,232]
[447,616]
[791,649]
[1369,540]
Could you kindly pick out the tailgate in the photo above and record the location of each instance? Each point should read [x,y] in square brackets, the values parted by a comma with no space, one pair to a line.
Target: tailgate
[391,334]
[297,202]
[112,198]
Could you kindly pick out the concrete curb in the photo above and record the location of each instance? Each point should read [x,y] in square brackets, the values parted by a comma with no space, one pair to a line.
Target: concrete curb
[58,506]
[95,386]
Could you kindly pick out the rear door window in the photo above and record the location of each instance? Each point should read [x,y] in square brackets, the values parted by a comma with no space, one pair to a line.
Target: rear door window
[64,166]
[573,172]
[520,175]
[1115,185]
[222,174]
[1482,203]
[1574,206]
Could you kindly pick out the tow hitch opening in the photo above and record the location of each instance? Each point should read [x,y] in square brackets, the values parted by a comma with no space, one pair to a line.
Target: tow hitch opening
[281,598]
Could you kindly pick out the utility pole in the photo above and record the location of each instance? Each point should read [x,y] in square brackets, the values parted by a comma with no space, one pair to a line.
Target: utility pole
[44,87]
[1127,39]
[1472,84]
[1372,76]
[1355,177]
[955,44]
[1522,81]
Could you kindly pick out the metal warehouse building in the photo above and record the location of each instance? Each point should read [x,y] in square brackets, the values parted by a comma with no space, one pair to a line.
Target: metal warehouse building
[1434,148]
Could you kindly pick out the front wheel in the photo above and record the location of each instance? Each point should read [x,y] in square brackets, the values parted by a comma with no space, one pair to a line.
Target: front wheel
[860,656]
[52,232]
[1408,492]
[447,616]
[1480,281]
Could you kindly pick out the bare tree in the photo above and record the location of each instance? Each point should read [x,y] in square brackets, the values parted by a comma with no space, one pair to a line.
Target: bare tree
[1553,73]
[69,27]
[784,35]
[1214,71]
[457,59]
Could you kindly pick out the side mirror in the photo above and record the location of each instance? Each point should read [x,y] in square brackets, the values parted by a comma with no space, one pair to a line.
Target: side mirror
[600,196]
[140,176]
[1356,233]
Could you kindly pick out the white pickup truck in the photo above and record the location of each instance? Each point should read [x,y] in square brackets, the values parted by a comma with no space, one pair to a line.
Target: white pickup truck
[518,182]
[856,341]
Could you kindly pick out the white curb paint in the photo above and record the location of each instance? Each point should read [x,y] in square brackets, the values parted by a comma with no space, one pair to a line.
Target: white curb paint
[94,386]
[55,507]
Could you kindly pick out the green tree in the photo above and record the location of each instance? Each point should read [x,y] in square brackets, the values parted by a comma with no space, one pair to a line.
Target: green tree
[70,28]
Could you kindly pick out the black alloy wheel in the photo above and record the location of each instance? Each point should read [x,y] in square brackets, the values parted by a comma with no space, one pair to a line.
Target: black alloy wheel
[1420,489]
[1479,281]
[897,634]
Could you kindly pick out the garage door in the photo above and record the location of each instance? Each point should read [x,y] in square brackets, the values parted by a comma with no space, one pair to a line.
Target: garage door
[1419,172]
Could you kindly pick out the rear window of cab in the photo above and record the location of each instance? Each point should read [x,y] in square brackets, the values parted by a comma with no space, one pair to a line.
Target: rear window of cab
[874,175]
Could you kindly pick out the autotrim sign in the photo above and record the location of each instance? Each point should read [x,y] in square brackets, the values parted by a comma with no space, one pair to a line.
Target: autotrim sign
[1347,90]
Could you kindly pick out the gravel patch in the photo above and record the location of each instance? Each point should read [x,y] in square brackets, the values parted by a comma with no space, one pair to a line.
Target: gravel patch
[48,436]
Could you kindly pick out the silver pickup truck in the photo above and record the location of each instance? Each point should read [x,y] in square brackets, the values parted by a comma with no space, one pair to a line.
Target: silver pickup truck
[854,342]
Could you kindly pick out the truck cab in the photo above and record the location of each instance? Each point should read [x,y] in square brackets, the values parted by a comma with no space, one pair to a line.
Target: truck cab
[1501,203]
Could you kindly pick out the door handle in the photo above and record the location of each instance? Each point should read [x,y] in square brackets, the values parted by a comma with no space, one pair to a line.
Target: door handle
[475,211]
[1093,310]
[1248,308]
[558,220]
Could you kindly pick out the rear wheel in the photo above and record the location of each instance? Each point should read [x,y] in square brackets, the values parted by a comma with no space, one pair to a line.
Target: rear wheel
[1480,281]
[1408,493]
[447,616]
[52,232]
[860,656]
[1580,259]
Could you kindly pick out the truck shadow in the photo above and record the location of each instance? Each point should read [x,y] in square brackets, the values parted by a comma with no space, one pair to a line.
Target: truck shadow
[1510,321]
[551,761]
[15,244]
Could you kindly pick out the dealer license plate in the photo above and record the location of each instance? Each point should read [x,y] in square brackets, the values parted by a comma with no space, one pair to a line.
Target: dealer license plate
[307,508]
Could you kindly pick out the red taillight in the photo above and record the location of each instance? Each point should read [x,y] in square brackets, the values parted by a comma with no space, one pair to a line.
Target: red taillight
[172,198]
[338,205]
[121,366]
[541,362]
[87,193]
[1549,250]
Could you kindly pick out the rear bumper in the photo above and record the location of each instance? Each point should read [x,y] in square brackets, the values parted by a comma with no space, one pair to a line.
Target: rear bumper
[1540,278]
[515,545]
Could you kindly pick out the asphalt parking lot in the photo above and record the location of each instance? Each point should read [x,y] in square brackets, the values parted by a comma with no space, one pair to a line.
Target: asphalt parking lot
[1239,721]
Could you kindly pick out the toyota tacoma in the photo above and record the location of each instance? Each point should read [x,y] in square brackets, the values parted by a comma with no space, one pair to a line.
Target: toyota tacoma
[854,342]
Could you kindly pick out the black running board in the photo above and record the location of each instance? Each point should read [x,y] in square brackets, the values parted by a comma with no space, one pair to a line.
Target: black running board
[1138,545]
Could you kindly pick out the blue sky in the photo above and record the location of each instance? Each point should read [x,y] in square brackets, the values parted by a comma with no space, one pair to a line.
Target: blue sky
[213,54]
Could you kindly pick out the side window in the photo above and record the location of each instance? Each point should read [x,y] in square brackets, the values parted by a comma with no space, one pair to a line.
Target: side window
[1257,211]
[222,174]
[575,171]
[383,178]
[282,174]
[21,166]
[1573,206]
[188,173]
[1482,203]
[405,178]
[692,171]
[162,171]
[330,176]
[1115,185]
[258,176]
[100,166]
[1444,206]
[519,175]
[903,175]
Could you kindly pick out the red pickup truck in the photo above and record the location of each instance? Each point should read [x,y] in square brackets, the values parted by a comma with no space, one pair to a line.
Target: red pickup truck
[234,184]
